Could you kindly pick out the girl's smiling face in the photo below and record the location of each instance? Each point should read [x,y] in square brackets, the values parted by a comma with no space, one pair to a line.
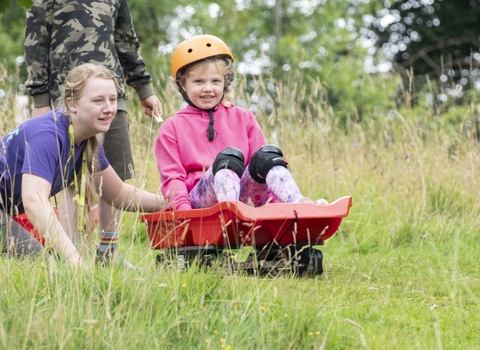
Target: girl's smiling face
[204,85]
[95,109]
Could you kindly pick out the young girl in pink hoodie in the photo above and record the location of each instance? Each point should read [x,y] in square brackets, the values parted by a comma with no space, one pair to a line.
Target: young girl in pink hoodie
[212,151]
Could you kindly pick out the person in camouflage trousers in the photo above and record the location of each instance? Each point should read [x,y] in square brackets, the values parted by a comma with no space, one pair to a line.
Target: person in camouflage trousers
[63,34]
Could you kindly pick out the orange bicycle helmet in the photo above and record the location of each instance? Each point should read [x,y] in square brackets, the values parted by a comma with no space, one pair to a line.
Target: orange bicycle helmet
[197,48]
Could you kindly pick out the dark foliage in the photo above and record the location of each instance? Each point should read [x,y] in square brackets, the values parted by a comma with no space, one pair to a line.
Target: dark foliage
[432,39]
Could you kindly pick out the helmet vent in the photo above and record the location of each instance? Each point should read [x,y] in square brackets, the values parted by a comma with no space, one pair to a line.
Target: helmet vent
[190,50]
[209,45]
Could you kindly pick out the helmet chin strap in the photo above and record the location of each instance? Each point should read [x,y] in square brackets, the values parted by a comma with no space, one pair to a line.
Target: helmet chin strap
[211,130]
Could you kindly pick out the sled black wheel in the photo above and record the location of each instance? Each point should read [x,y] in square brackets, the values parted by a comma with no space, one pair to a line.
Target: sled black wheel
[159,259]
[308,261]
[171,259]
[316,261]
[300,261]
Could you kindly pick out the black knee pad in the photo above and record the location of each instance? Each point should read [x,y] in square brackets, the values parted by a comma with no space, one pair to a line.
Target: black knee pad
[230,158]
[263,160]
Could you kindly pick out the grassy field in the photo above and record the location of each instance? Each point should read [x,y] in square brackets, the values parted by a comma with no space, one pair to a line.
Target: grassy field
[401,273]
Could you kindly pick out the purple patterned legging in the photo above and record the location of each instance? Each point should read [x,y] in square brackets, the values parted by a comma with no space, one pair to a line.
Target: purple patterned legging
[226,186]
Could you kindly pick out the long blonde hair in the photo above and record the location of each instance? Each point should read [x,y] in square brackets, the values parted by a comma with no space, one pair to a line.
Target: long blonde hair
[73,90]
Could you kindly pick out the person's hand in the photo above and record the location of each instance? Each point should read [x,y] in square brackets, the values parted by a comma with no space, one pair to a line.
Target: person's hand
[38,111]
[152,107]
[73,257]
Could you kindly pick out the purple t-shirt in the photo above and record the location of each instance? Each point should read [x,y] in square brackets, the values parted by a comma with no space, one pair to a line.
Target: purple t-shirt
[39,146]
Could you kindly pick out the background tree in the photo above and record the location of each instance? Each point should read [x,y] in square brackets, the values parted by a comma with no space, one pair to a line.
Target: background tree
[283,39]
[12,33]
[300,41]
[5,4]
[431,40]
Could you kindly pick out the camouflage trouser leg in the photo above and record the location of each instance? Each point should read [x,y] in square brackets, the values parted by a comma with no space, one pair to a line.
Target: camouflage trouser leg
[15,240]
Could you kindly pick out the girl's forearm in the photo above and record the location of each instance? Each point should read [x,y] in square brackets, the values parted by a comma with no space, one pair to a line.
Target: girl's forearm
[45,221]
[133,199]
[127,197]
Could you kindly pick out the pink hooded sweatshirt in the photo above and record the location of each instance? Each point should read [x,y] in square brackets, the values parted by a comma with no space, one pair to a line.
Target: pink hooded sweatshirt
[184,153]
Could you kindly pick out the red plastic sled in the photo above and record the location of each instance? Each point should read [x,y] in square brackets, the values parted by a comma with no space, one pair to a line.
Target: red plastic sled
[282,235]
[233,225]
[22,219]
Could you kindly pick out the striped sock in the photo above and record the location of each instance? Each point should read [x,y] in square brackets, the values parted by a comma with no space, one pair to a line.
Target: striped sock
[108,241]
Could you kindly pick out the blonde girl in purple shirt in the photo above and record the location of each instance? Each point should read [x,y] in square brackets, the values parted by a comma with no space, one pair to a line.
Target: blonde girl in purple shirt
[44,155]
